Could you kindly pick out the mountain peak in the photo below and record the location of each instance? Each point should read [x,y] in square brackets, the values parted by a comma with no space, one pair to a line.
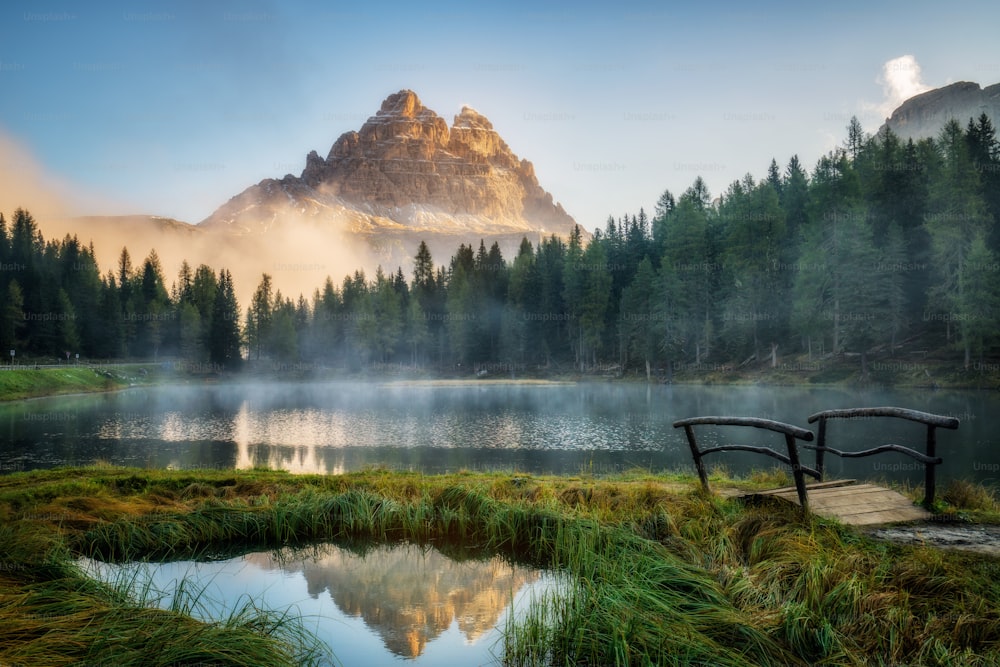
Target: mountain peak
[405,173]
[470,118]
[405,103]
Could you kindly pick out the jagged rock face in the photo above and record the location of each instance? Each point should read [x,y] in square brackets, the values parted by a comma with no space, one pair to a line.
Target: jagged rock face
[406,170]
[923,116]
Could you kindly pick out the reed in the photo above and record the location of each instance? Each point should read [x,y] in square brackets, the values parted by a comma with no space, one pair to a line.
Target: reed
[72,620]
[655,572]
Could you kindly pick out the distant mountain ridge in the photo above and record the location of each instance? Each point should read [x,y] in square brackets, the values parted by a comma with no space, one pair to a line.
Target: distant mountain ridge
[923,116]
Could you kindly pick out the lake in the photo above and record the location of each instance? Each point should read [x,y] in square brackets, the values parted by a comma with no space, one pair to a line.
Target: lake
[382,605]
[599,428]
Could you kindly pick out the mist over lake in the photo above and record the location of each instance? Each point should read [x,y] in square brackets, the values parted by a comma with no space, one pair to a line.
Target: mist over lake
[596,428]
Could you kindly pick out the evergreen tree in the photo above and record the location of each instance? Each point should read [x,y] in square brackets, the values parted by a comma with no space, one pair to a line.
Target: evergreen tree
[461,313]
[282,342]
[153,308]
[984,149]
[520,329]
[204,287]
[112,330]
[326,334]
[574,285]
[383,325]
[67,341]
[689,268]
[418,332]
[224,340]
[550,322]
[126,300]
[957,216]
[11,319]
[638,316]
[794,199]
[753,225]
[980,304]
[596,299]
[258,319]
[191,333]
[4,243]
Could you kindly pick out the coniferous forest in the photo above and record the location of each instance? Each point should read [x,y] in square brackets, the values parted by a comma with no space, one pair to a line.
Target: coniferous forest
[883,248]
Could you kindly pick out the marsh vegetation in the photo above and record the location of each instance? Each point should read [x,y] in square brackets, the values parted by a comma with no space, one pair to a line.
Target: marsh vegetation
[659,573]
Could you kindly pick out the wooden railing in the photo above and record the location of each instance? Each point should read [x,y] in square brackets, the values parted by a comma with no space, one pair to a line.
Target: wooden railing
[791,433]
[928,458]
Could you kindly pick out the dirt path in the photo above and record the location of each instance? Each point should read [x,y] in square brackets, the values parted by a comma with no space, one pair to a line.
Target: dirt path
[982,539]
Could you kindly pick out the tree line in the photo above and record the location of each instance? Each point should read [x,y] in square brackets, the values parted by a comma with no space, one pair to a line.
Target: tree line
[885,246]
[56,303]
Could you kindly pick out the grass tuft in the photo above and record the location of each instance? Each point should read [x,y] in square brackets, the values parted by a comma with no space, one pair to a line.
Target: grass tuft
[965,495]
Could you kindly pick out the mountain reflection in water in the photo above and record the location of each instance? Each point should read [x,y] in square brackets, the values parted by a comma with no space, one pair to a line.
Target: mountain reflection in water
[390,602]
[408,594]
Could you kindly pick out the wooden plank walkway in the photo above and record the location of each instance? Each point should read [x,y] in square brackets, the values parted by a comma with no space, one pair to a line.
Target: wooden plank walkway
[852,503]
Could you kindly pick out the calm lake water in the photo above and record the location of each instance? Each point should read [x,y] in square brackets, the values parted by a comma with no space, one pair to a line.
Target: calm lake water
[538,429]
[391,605]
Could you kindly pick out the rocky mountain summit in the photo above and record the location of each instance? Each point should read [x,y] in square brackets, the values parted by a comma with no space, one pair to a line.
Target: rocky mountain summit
[922,116]
[405,176]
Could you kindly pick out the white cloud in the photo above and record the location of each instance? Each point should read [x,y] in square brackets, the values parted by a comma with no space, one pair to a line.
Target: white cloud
[900,80]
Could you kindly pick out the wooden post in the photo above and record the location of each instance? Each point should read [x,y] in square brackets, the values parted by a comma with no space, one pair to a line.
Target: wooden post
[800,482]
[821,443]
[929,468]
[696,454]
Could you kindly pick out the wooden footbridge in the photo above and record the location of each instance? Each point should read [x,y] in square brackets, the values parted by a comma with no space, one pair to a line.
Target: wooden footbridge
[846,500]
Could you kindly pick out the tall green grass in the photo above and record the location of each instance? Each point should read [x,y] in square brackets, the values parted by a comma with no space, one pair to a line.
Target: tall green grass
[59,616]
[29,382]
[654,575]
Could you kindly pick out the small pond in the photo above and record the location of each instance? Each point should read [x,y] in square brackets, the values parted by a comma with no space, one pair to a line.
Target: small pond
[402,604]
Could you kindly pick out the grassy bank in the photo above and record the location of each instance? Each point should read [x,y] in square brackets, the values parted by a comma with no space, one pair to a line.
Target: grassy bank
[28,382]
[662,574]
[944,372]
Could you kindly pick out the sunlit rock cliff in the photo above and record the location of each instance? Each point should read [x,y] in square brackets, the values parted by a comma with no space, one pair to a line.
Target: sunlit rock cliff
[406,176]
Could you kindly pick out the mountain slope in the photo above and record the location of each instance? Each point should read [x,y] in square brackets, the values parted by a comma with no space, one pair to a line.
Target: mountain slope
[923,116]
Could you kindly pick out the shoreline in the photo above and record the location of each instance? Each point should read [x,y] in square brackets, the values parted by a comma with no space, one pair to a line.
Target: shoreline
[933,375]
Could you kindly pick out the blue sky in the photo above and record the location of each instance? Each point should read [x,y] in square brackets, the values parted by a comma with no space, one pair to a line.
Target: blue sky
[170,108]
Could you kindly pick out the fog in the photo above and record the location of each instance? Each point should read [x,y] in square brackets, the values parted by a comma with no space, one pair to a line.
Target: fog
[432,427]
[299,251]
[298,257]
[299,254]
[24,184]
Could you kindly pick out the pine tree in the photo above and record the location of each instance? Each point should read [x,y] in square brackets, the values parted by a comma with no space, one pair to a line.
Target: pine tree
[638,319]
[112,330]
[520,309]
[980,300]
[754,229]
[258,319]
[204,287]
[689,268]
[957,216]
[190,332]
[574,279]
[11,319]
[224,348]
[597,282]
